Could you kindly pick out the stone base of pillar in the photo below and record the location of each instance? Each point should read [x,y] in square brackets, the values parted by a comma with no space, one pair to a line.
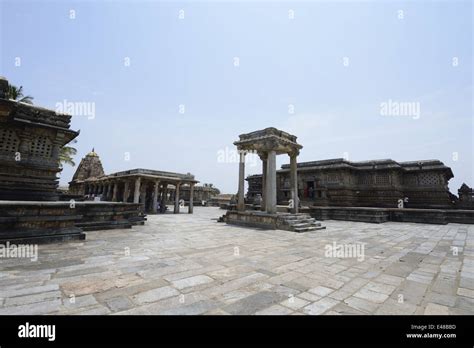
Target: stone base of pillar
[278,221]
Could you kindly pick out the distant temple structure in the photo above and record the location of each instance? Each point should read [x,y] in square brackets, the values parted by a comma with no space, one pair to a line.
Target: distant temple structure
[378,183]
[152,188]
[466,197]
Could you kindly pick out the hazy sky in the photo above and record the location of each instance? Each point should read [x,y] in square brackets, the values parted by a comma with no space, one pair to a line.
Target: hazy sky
[173,93]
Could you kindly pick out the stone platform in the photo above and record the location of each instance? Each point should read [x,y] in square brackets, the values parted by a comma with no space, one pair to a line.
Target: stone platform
[381,215]
[108,215]
[279,221]
[189,264]
[48,222]
[38,222]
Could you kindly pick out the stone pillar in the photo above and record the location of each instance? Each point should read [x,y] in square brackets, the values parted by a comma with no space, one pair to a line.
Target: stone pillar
[136,194]
[154,207]
[114,194]
[241,194]
[104,193]
[109,192]
[176,198]
[294,183]
[126,191]
[164,195]
[191,198]
[143,195]
[264,181]
[270,186]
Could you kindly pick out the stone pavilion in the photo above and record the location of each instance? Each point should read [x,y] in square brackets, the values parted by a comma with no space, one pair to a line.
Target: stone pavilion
[268,143]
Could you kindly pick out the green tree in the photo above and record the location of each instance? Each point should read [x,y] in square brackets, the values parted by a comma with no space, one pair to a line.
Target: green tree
[16,93]
[66,153]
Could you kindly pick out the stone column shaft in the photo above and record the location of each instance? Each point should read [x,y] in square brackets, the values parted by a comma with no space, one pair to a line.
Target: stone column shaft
[155,197]
[264,180]
[294,183]
[143,196]
[270,192]
[136,193]
[164,195]
[109,192]
[126,191]
[114,194]
[191,198]
[176,198]
[241,193]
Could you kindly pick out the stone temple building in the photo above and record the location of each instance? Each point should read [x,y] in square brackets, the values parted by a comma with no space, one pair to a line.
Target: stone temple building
[378,183]
[202,194]
[153,188]
[30,141]
[32,209]
[466,197]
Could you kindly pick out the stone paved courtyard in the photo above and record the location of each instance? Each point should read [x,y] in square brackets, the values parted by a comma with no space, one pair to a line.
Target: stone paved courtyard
[190,264]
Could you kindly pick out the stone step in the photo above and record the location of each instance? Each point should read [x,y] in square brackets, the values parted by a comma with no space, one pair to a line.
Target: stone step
[301,221]
[103,225]
[302,224]
[309,218]
[294,216]
[309,228]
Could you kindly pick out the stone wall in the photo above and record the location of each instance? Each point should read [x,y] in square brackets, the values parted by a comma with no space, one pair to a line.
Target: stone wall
[381,215]
[49,222]
[366,184]
[38,222]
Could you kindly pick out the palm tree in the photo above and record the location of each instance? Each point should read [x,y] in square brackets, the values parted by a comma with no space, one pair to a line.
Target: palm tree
[66,153]
[16,93]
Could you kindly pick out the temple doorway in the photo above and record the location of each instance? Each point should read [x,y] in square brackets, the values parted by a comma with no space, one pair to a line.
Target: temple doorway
[310,189]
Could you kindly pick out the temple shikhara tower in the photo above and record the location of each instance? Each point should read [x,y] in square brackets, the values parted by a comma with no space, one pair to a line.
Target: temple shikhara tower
[89,167]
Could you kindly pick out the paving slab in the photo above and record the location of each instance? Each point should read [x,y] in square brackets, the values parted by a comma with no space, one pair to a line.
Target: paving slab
[191,264]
